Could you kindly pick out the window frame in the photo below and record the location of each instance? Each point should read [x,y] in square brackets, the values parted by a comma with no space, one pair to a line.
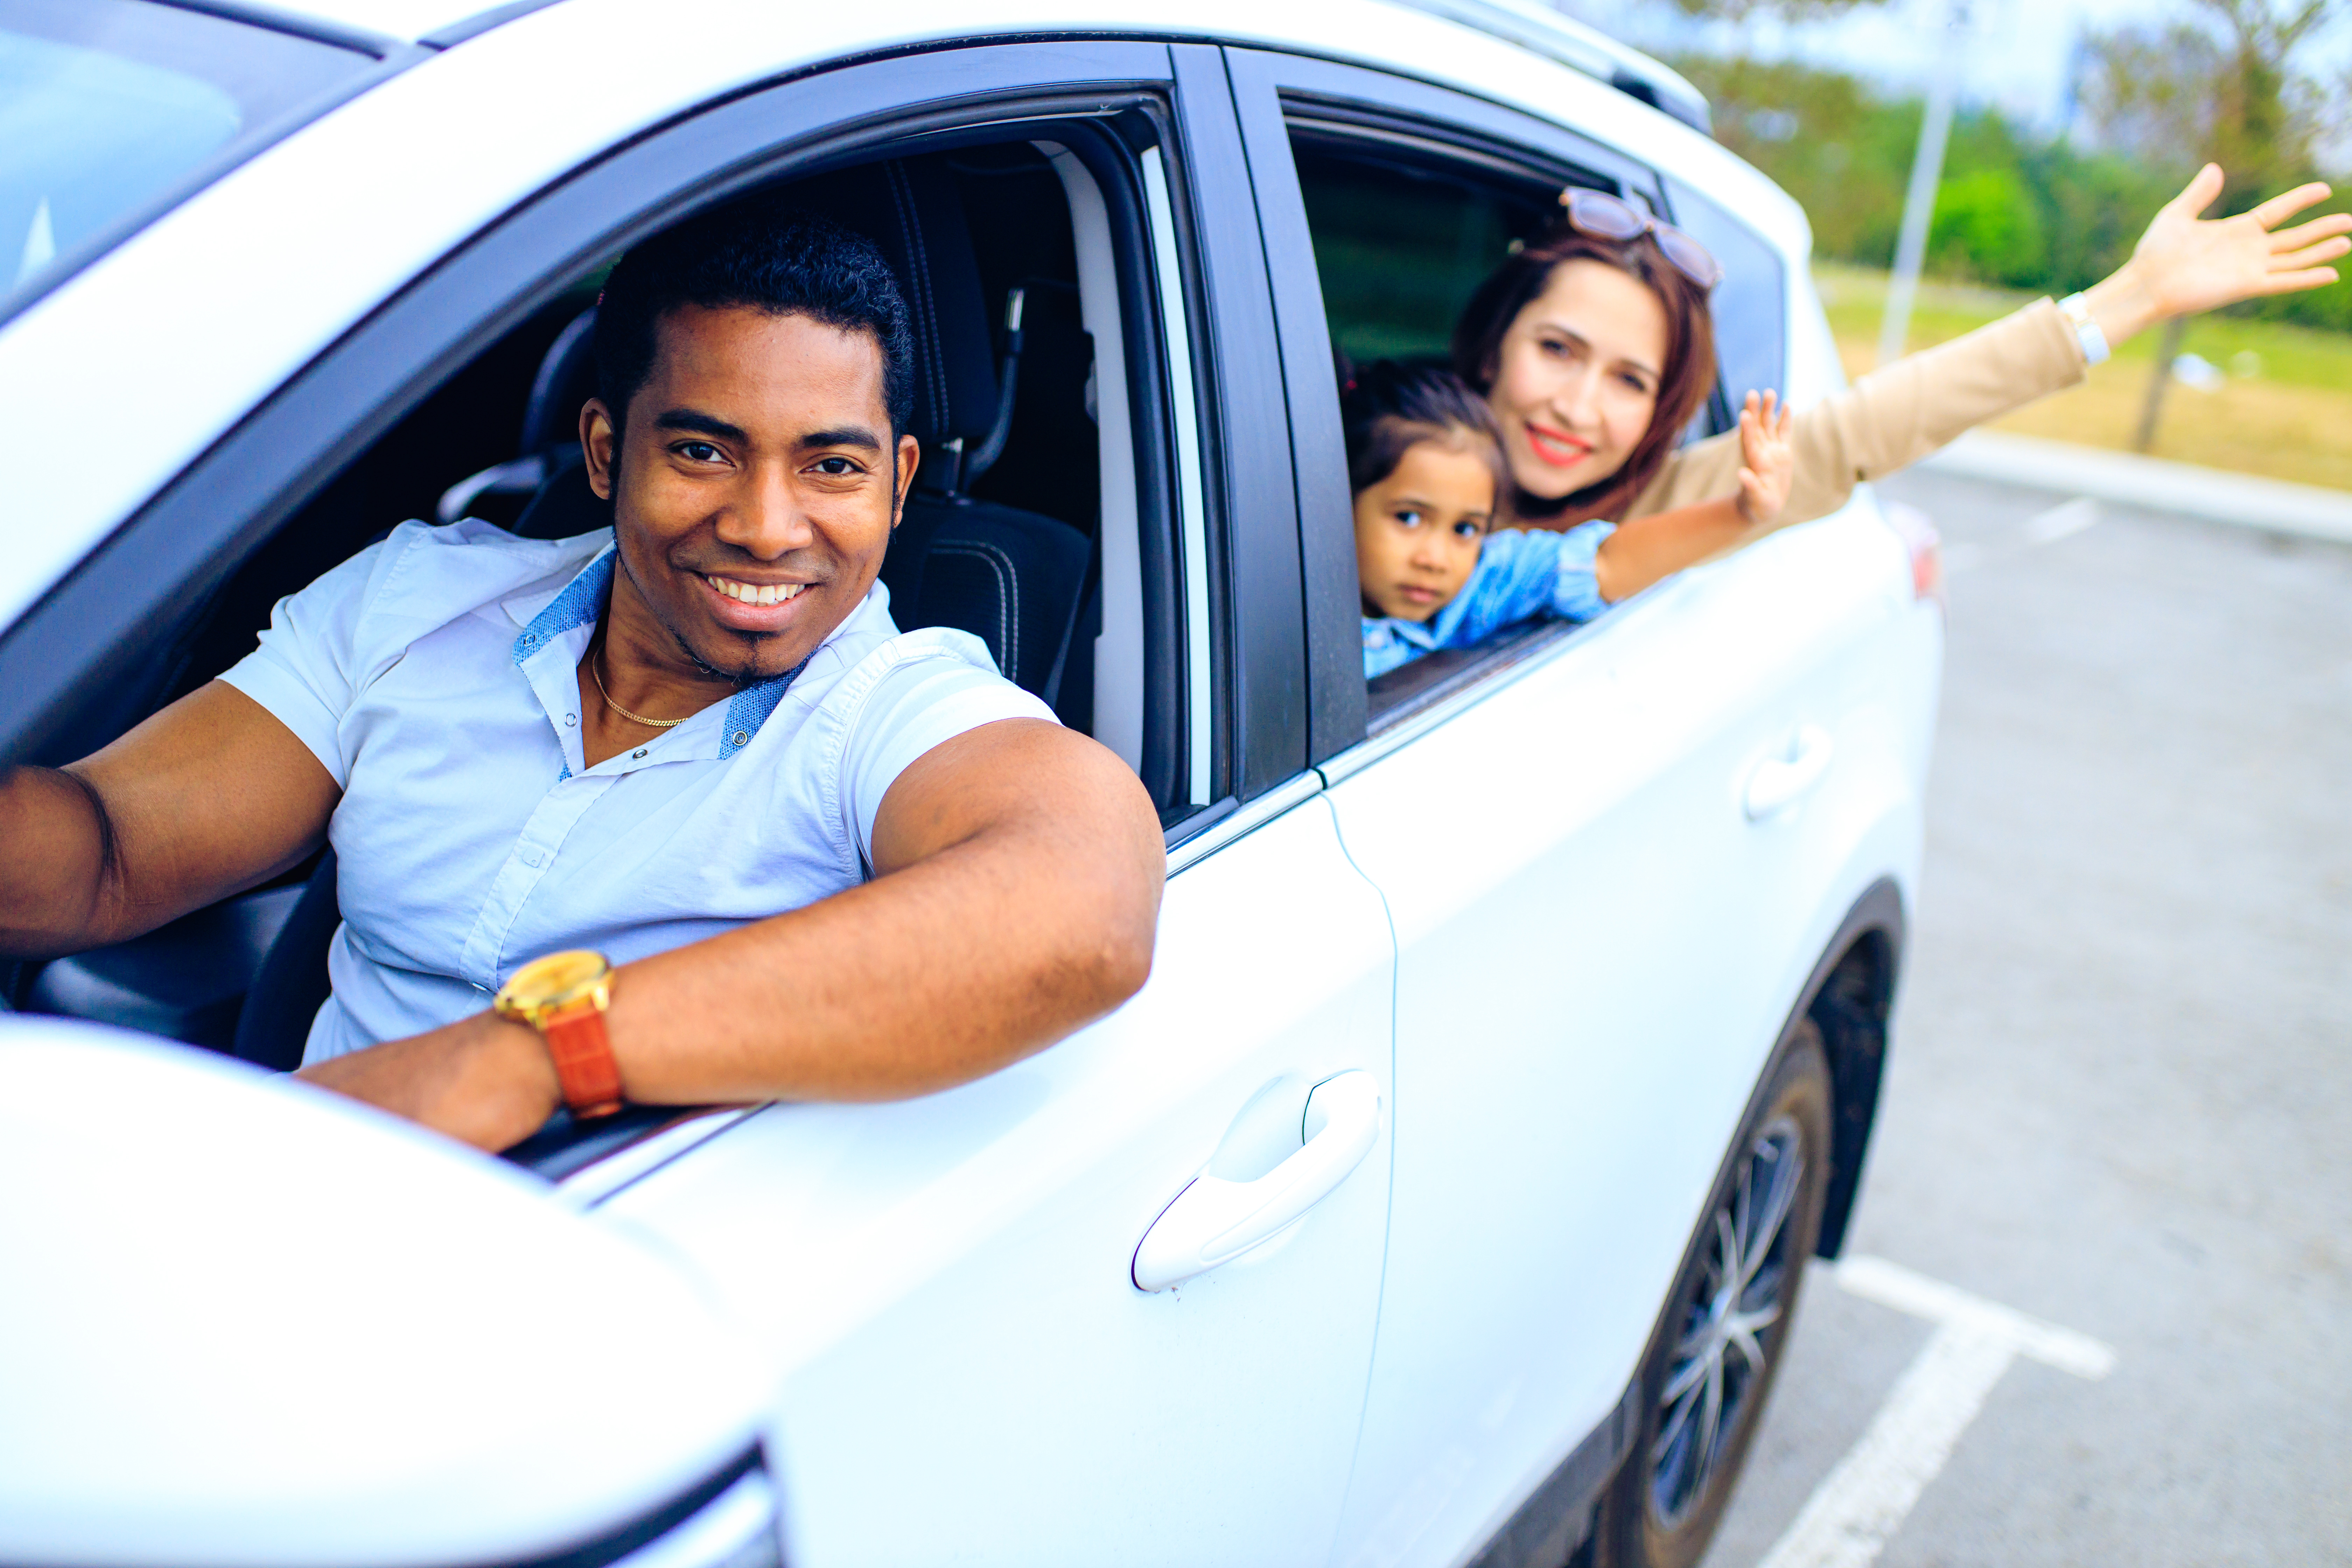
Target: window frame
[62,654]
[1279,94]
[1275,92]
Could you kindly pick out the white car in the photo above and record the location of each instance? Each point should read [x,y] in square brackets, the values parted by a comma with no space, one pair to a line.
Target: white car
[1516,1024]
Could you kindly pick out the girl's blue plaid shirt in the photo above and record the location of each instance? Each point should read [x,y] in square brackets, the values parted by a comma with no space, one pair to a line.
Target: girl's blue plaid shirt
[1520,575]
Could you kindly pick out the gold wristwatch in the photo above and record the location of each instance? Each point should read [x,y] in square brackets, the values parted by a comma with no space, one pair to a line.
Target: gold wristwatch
[563,997]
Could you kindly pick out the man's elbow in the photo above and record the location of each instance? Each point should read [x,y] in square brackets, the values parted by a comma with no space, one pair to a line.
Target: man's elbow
[1119,925]
[1123,931]
[1123,959]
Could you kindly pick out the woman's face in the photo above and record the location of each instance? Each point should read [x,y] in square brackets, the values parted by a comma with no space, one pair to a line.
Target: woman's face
[1578,378]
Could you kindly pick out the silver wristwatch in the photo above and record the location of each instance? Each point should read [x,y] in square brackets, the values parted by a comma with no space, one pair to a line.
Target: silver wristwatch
[2086,330]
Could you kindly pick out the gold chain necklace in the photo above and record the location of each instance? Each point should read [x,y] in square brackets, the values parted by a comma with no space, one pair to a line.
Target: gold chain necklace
[649,724]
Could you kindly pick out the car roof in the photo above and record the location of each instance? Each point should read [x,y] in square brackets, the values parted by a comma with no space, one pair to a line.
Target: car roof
[1529,24]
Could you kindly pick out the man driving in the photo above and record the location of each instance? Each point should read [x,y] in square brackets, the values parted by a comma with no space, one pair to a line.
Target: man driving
[679,798]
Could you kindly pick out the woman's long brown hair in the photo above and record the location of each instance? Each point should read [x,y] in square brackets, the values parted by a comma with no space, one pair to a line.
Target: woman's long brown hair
[1687,375]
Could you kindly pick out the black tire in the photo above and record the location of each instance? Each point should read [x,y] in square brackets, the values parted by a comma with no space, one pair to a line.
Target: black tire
[1721,1347]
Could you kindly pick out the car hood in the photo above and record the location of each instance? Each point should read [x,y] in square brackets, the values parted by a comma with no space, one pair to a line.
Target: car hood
[248,1320]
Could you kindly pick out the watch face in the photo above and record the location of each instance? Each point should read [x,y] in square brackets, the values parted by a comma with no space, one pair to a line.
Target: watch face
[549,978]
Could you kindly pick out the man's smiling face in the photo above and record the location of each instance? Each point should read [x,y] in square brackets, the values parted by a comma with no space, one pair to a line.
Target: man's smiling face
[755,490]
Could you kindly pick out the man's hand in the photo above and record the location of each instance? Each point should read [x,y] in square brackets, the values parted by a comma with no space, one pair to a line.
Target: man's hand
[1768,458]
[1016,897]
[485,1080]
[2185,263]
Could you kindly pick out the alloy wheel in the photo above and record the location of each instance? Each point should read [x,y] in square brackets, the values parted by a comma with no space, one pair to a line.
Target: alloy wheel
[1720,1358]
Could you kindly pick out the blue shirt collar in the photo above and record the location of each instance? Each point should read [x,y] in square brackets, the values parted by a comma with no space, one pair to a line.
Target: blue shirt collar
[584,599]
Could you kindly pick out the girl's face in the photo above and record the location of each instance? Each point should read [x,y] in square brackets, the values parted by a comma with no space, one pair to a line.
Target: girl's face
[1578,377]
[1418,530]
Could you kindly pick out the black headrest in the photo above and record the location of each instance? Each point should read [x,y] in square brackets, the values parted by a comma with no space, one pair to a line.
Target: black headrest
[914,213]
[564,505]
[566,379]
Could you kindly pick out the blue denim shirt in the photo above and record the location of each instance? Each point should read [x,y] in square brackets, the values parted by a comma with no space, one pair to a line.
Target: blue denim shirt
[1520,575]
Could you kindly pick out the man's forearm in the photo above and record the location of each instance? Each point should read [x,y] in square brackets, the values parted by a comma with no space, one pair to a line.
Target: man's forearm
[938,975]
[1019,900]
[57,862]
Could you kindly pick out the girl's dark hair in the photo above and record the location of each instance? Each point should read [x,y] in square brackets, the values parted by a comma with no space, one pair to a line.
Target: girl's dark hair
[1386,406]
[762,253]
[1687,375]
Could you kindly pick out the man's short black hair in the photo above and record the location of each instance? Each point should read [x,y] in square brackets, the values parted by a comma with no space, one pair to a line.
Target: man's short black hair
[763,254]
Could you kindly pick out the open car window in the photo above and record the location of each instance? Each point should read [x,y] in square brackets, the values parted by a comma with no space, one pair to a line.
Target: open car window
[1404,227]
[1062,510]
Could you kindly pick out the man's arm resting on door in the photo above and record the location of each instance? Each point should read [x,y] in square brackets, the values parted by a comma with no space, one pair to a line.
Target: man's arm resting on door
[204,799]
[1018,871]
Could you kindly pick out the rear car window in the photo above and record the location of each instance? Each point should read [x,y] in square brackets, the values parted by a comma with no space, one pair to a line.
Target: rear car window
[112,110]
[1750,305]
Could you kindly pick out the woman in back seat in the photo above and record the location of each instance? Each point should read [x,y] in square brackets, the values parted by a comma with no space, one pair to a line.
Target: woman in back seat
[1594,347]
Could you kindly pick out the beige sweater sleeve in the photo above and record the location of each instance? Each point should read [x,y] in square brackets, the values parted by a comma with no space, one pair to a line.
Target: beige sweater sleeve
[1890,418]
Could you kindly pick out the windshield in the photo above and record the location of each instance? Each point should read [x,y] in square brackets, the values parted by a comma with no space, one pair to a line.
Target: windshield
[111,109]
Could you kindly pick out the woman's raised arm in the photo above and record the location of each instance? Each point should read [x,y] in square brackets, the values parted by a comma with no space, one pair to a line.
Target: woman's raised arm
[1899,414]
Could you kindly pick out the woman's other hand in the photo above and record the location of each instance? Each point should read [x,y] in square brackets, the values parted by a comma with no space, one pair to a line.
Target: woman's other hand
[2185,263]
[1767,458]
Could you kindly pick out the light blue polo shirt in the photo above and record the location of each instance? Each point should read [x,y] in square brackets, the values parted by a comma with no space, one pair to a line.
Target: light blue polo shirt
[435,676]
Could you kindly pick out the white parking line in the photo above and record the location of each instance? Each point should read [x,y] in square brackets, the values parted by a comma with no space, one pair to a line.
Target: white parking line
[1855,1511]
[2065,518]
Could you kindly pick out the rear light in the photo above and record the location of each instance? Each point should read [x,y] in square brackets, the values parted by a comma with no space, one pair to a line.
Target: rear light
[1927,547]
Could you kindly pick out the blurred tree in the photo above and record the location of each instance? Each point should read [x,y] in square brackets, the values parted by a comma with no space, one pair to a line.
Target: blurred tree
[1845,153]
[1791,10]
[2224,87]
[1989,226]
[2221,87]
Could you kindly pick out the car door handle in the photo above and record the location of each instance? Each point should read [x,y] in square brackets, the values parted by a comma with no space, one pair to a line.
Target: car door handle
[1214,1221]
[1779,782]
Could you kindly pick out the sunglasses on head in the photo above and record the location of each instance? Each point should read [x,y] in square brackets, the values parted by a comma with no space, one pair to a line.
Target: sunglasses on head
[1604,216]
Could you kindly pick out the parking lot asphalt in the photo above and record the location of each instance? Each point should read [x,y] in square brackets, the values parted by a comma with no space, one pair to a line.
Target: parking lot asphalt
[2119,1096]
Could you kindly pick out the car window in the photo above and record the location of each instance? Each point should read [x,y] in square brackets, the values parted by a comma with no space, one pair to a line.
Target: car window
[107,107]
[1750,306]
[1066,452]
[1404,230]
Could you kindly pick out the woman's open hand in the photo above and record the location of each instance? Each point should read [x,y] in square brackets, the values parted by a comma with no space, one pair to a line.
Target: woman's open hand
[2185,263]
[1767,459]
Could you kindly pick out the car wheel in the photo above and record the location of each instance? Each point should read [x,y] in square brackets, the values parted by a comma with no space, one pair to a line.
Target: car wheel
[1711,1361]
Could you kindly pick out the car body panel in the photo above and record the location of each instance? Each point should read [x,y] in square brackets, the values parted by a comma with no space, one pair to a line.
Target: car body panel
[947,1280]
[390,1347]
[1602,928]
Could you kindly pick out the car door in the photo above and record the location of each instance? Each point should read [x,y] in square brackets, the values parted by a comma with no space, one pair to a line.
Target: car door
[1009,1334]
[1602,921]
[975,1372]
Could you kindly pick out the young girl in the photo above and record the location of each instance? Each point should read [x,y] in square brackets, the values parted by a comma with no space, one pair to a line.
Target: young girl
[1426,466]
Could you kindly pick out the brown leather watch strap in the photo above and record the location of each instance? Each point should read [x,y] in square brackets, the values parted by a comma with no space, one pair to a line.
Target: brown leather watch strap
[582,1053]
